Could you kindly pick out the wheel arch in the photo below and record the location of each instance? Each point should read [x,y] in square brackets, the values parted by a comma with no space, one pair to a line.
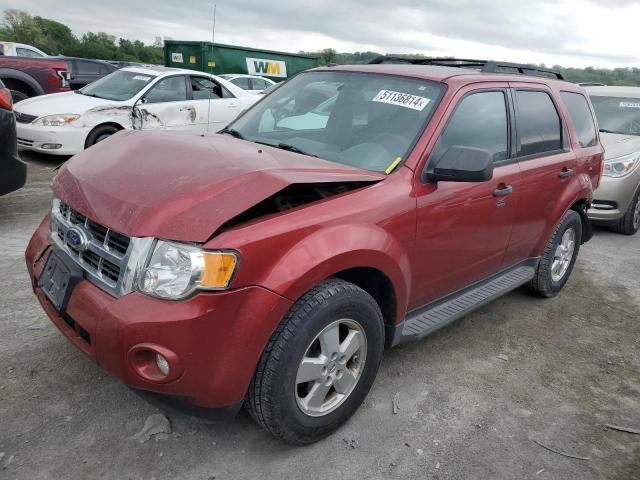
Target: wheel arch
[377,284]
[581,206]
[10,76]
[103,124]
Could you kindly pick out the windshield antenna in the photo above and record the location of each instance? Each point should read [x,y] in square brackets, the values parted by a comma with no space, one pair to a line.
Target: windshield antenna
[211,64]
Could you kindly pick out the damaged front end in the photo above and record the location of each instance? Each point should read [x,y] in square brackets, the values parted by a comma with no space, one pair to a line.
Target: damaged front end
[290,197]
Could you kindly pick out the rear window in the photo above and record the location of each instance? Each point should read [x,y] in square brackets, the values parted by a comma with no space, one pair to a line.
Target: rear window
[539,127]
[581,117]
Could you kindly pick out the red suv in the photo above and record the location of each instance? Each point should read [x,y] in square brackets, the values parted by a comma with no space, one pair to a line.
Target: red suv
[352,209]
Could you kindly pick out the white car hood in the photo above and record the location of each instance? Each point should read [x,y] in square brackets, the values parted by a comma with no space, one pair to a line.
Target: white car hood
[61,103]
[616,144]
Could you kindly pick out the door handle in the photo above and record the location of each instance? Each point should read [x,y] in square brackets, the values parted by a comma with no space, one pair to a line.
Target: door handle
[187,109]
[503,190]
[234,105]
[565,173]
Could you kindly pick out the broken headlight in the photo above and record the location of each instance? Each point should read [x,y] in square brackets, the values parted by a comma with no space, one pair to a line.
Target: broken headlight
[175,270]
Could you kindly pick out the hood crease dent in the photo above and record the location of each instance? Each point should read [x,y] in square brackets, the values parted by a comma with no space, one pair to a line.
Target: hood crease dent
[184,187]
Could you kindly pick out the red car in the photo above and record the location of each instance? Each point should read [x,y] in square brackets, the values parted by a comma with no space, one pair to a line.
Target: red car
[270,265]
[13,171]
[29,77]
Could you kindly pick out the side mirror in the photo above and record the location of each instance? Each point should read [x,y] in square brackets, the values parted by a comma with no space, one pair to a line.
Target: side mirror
[136,118]
[462,164]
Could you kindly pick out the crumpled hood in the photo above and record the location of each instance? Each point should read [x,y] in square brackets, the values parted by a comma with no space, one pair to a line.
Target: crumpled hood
[616,144]
[183,186]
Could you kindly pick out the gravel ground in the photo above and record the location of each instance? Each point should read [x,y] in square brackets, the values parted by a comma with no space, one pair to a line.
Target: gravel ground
[473,398]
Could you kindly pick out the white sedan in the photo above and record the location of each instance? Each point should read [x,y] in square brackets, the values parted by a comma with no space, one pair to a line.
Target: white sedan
[133,97]
[250,83]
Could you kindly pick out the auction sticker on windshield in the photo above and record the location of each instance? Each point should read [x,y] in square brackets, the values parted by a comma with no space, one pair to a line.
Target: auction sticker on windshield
[629,105]
[400,99]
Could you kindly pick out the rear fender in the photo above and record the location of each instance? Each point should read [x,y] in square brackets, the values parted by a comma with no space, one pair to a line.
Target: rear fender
[579,189]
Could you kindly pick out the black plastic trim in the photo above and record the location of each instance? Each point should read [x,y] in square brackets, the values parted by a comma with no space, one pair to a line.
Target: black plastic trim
[174,405]
[485,66]
[407,332]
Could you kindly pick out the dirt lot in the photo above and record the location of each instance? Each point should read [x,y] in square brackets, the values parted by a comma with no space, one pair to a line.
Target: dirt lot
[474,398]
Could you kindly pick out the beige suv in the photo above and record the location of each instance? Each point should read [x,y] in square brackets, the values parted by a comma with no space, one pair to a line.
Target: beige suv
[617,200]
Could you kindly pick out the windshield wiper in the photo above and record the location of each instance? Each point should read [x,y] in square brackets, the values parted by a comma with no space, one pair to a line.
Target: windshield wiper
[604,130]
[233,132]
[290,148]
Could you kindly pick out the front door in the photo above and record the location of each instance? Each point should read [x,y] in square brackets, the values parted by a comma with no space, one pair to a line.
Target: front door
[463,229]
[165,105]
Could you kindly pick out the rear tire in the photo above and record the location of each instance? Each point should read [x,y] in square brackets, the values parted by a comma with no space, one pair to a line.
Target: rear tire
[299,394]
[559,257]
[100,133]
[629,224]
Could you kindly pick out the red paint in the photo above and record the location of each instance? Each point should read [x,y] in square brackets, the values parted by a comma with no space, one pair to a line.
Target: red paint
[50,74]
[428,239]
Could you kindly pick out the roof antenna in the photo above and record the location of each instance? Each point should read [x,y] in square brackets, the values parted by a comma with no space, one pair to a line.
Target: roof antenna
[210,64]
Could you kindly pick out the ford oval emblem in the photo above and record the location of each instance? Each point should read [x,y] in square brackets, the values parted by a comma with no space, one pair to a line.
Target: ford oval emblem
[77,239]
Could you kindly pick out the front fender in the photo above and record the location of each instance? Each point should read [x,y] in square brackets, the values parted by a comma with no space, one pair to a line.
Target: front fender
[327,251]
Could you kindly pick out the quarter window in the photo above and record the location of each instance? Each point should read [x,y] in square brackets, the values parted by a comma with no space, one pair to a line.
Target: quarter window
[479,121]
[538,123]
[581,117]
[242,82]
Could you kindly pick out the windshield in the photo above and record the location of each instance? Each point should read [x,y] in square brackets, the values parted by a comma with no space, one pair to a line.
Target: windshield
[120,85]
[617,114]
[363,120]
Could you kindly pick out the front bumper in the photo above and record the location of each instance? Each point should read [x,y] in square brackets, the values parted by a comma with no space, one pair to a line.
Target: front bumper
[613,197]
[36,138]
[218,337]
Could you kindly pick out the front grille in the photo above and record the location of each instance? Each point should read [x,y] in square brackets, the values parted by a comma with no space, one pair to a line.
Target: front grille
[105,254]
[23,142]
[24,118]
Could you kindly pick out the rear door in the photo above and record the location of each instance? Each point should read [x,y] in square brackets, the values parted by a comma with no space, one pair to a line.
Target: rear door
[547,164]
[464,229]
[166,105]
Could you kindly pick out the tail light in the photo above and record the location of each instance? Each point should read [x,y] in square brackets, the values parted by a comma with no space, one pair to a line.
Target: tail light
[64,78]
[6,102]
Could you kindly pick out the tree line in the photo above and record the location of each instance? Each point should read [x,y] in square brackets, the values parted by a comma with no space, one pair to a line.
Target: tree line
[55,38]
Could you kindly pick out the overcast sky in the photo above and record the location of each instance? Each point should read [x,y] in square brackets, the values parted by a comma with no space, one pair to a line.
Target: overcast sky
[567,32]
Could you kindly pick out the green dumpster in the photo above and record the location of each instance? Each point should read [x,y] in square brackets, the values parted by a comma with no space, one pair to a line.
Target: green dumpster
[220,59]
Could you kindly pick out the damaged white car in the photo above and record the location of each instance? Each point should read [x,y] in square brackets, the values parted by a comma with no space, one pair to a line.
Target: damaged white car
[133,97]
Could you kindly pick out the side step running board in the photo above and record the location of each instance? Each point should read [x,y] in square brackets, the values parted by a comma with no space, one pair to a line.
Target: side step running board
[424,321]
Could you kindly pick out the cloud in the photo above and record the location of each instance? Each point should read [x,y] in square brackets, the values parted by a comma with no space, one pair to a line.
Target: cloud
[550,31]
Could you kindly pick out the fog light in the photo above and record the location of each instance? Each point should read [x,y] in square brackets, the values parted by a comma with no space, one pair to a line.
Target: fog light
[155,363]
[163,365]
[51,146]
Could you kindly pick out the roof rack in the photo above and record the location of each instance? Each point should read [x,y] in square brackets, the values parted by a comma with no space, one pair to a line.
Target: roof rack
[486,66]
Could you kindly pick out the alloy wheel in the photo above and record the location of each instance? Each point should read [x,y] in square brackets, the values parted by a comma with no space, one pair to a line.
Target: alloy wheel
[331,367]
[563,255]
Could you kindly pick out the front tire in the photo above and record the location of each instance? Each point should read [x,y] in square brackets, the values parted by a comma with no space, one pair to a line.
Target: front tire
[319,364]
[559,257]
[630,223]
[99,134]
